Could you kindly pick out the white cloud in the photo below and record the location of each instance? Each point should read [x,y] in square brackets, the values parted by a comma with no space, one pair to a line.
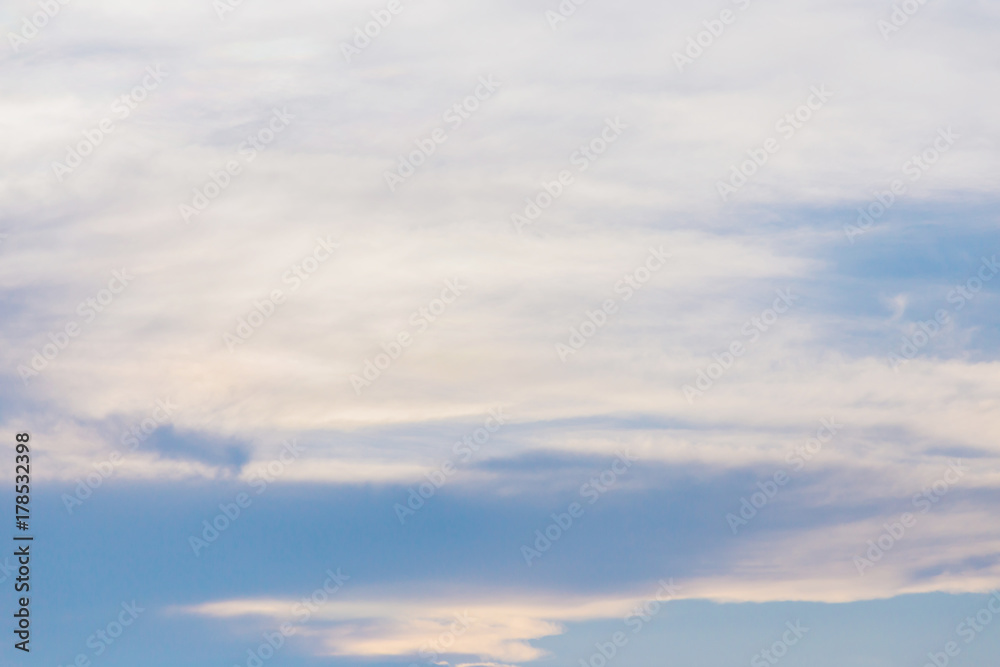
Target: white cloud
[495,345]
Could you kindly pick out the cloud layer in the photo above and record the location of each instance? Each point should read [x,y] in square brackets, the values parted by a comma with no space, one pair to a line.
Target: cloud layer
[245,248]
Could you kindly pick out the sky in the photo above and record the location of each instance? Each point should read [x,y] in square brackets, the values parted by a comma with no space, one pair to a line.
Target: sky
[503,334]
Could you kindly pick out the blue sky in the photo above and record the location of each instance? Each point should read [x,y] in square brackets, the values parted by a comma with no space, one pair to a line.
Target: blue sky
[457,343]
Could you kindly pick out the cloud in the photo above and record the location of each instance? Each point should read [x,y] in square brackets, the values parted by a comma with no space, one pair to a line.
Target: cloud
[324,176]
[446,629]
